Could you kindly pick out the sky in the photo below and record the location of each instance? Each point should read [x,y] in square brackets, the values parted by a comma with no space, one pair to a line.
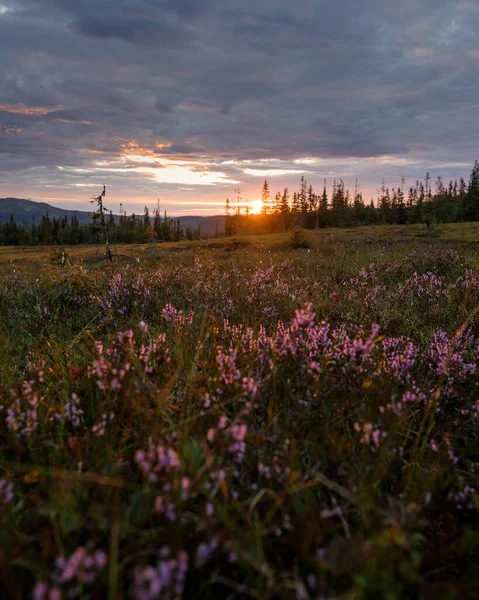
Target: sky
[189,100]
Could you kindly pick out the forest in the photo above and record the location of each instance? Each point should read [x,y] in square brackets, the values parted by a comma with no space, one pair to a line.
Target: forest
[425,202]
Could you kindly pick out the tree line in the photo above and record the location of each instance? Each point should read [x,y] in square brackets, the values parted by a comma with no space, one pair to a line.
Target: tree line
[132,229]
[423,202]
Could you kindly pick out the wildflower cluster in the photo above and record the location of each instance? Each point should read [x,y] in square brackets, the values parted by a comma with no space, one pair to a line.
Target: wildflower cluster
[165,581]
[72,573]
[23,410]
[246,423]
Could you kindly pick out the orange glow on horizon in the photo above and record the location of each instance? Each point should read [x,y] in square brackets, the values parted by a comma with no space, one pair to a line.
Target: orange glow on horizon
[21,109]
[255,206]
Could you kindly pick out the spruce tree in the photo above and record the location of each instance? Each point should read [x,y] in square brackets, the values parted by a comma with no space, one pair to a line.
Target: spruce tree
[265,199]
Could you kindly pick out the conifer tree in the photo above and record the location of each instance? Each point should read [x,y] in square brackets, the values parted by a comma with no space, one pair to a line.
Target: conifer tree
[277,204]
[265,199]
[146,218]
[472,202]
[295,206]
[284,208]
[303,196]
[228,219]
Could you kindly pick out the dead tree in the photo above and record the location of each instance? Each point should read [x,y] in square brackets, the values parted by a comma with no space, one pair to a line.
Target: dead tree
[100,214]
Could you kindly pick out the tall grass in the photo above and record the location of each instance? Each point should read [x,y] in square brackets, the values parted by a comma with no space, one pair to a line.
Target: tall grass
[258,422]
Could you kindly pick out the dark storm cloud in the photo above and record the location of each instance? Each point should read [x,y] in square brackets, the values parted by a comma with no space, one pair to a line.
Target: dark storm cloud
[131,29]
[231,81]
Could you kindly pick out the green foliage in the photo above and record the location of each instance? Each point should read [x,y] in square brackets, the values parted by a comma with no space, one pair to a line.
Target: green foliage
[297,240]
[239,242]
[177,352]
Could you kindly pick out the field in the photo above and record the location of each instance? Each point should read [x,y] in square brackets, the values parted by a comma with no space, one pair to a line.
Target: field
[287,416]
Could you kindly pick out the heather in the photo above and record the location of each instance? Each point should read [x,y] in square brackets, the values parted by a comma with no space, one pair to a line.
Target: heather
[265,420]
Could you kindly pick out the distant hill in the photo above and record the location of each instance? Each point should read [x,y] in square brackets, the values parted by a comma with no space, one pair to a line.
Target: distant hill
[30,211]
[208,224]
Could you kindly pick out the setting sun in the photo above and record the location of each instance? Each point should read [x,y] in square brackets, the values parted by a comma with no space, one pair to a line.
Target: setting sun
[255,206]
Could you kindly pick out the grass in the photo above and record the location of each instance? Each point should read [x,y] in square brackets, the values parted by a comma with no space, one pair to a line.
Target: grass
[450,232]
[238,418]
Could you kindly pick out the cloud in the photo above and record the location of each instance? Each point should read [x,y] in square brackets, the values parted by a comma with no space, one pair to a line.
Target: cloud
[131,29]
[367,89]
[261,172]
[21,109]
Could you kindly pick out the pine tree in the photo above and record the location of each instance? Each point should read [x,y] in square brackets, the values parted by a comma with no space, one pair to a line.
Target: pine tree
[149,235]
[358,205]
[312,199]
[324,198]
[277,204]
[472,197]
[401,205]
[323,208]
[385,204]
[146,218]
[303,196]
[157,222]
[339,204]
[284,208]
[411,198]
[265,199]
[229,228]
[295,206]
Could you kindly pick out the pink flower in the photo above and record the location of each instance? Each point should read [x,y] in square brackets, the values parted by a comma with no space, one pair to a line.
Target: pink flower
[239,432]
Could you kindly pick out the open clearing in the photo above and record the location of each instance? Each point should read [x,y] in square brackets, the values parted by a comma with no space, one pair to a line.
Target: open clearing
[237,418]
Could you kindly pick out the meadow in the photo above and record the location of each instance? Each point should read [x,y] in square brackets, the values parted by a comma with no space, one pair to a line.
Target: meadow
[287,416]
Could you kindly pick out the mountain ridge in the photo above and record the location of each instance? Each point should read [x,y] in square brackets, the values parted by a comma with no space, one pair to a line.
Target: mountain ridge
[32,211]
